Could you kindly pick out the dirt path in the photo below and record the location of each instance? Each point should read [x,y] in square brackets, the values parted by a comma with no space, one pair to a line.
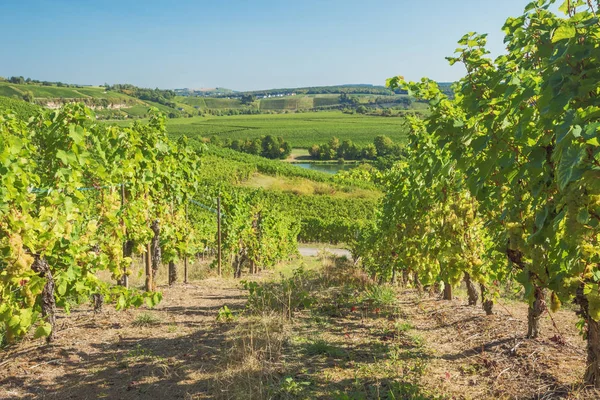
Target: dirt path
[110,355]
[313,251]
[342,346]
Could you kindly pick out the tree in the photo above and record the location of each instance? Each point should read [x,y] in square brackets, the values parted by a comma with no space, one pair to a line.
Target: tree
[286,149]
[362,109]
[270,147]
[345,99]
[315,151]
[19,80]
[334,143]
[248,99]
[344,149]
[369,152]
[236,145]
[253,146]
[325,152]
[383,145]
[28,96]
[354,152]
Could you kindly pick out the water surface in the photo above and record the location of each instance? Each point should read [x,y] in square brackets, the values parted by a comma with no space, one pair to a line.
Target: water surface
[330,168]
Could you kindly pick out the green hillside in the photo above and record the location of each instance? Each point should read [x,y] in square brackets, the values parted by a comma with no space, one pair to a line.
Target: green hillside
[108,104]
[54,92]
[10,91]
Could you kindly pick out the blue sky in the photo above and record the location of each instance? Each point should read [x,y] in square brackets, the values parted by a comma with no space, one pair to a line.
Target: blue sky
[243,45]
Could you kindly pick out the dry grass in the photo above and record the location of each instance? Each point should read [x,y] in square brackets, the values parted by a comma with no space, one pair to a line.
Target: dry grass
[339,271]
[302,186]
[251,358]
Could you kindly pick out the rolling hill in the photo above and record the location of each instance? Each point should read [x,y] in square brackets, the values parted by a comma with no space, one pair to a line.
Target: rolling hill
[122,102]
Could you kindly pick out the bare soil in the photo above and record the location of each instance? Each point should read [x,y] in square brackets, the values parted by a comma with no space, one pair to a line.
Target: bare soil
[430,347]
[108,355]
[474,356]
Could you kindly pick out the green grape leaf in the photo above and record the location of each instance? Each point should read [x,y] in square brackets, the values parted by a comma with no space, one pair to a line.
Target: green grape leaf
[567,171]
[563,32]
[43,330]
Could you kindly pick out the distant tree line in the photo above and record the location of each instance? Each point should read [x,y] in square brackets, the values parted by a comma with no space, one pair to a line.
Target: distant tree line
[19,80]
[160,96]
[347,89]
[222,112]
[265,146]
[446,88]
[382,146]
[354,101]
[343,89]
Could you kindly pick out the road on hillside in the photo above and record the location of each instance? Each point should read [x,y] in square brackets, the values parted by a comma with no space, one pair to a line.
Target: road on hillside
[313,251]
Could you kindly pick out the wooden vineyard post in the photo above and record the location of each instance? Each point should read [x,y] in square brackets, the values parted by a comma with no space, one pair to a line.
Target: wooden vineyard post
[125,246]
[219,235]
[148,269]
[185,259]
[185,269]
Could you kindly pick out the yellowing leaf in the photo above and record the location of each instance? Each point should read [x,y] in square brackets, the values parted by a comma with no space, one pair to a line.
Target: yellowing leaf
[594,304]
[555,302]
[563,32]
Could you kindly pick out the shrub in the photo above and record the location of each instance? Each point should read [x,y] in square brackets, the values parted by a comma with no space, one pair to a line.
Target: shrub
[285,296]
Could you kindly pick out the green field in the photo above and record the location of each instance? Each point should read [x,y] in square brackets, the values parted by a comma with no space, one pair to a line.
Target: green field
[324,101]
[222,103]
[137,111]
[209,102]
[191,101]
[301,130]
[100,93]
[287,103]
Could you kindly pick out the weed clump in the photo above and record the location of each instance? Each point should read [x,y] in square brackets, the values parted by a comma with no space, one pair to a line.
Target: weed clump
[380,295]
[146,319]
